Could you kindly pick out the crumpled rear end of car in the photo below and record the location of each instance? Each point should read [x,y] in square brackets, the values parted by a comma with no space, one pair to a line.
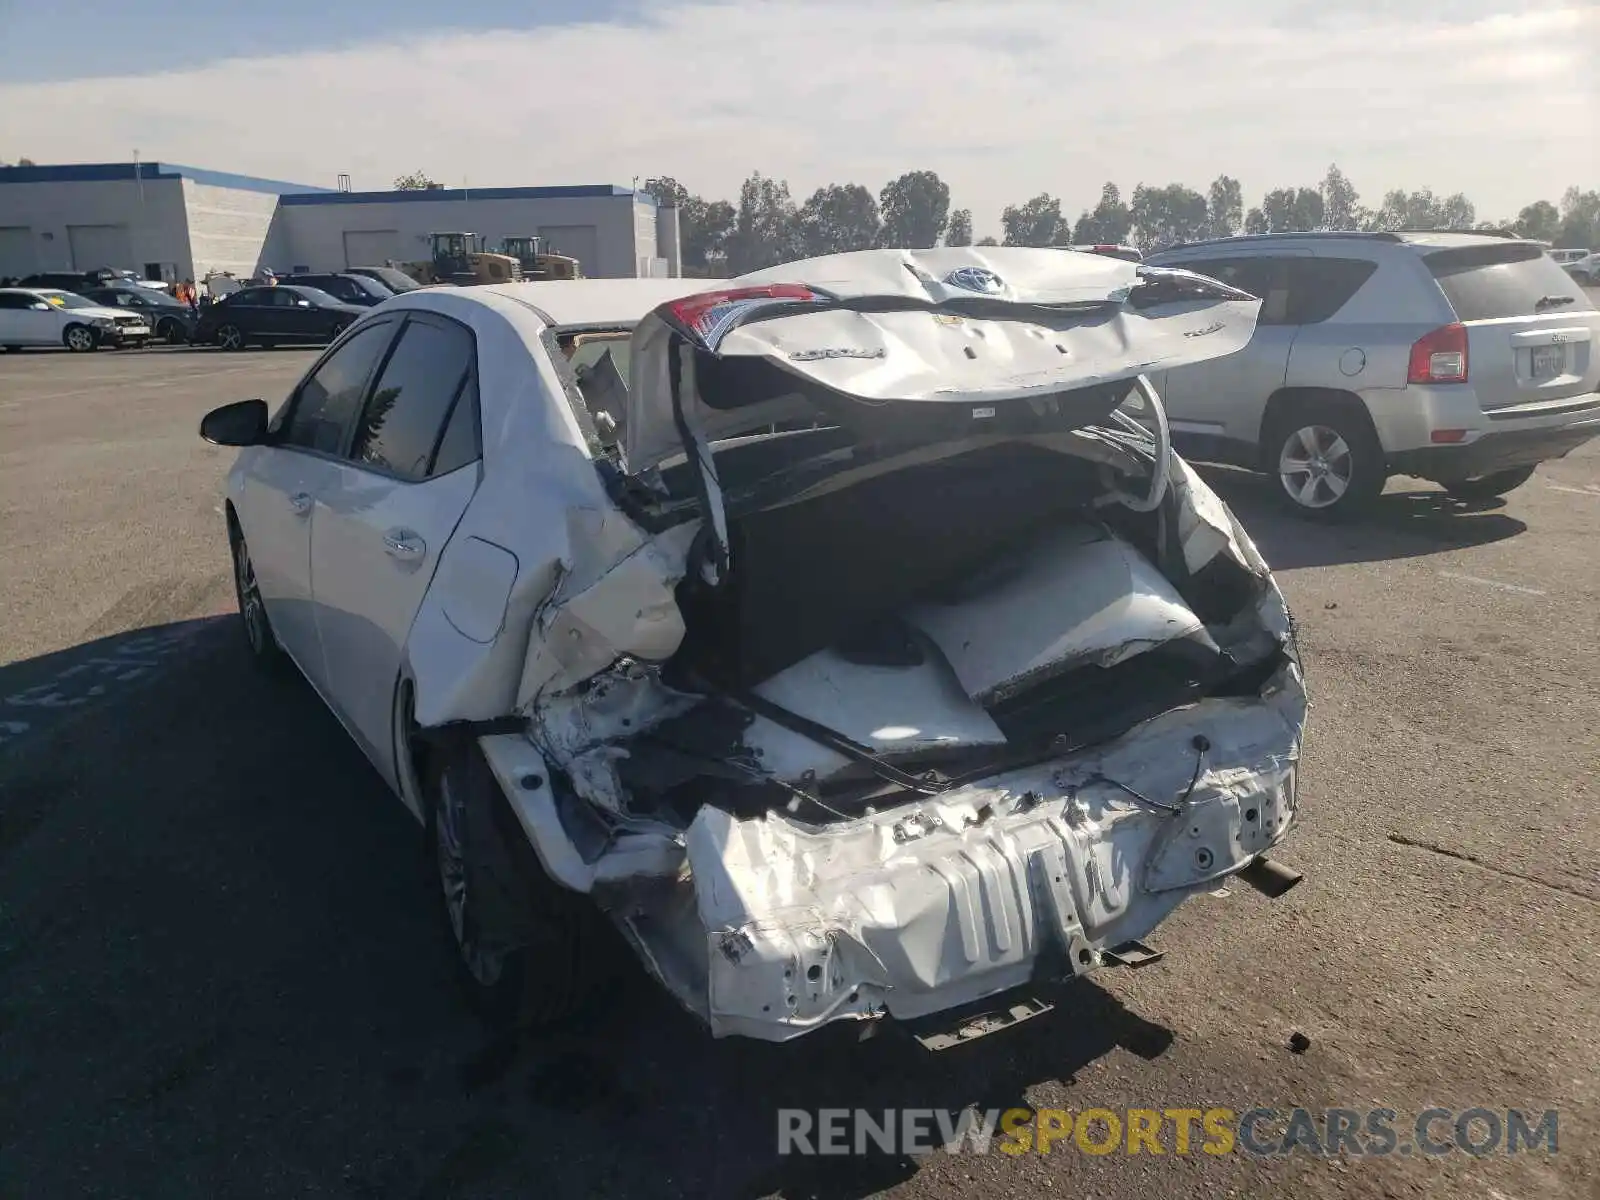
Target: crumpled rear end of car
[842,722]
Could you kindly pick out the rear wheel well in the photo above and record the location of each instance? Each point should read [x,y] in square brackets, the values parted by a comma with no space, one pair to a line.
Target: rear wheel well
[410,752]
[1300,400]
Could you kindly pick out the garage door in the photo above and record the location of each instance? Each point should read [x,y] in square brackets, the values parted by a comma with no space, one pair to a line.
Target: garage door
[96,246]
[576,241]
[17,251]
[371,247]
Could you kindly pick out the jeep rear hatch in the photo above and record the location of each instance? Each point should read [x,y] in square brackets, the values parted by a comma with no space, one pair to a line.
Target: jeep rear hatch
[1527,331]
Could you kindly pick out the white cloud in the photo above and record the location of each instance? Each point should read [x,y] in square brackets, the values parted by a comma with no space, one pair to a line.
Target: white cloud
[1004,98]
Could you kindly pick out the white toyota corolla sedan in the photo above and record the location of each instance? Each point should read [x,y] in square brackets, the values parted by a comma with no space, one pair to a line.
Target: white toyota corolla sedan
[846,635]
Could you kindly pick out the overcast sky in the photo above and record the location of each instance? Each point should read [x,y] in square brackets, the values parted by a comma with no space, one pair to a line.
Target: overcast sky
[1004,98]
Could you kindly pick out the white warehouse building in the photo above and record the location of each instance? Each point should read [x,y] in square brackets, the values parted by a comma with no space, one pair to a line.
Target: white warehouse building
[166,221]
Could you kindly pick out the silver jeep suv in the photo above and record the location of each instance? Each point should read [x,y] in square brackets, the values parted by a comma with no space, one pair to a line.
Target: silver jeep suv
[1464,358]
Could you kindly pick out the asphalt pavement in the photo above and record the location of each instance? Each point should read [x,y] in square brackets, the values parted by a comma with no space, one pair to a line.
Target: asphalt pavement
[222,971]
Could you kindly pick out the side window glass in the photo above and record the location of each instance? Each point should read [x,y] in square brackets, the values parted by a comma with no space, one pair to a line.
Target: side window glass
[326,405]
[412,397]
[462,440]
[1319,287]
[1258,275]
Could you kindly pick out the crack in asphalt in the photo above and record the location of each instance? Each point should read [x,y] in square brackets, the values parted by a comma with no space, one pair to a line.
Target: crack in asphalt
[1400,839]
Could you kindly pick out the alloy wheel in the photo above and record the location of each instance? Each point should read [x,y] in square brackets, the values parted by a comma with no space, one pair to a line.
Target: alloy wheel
[230,337]
[79,338]
[251,607]
[1316,466]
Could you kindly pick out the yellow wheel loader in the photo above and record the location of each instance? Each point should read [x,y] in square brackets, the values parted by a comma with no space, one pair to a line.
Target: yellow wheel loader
[538,261]
[459,258]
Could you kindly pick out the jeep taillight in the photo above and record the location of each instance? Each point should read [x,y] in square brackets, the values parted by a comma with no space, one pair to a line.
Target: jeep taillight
[1440,356]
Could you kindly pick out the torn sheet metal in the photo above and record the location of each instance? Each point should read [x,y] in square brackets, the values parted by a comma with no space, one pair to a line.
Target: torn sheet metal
[616,601]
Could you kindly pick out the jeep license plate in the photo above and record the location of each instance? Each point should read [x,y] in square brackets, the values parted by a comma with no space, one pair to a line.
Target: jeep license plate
[1548,361]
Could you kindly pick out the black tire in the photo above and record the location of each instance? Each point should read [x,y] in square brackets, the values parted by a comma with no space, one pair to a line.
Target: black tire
[1325,458]
[337,332]
[265,653]
[172,332]
[527,951]
[80,339]
[229,337]
[1488,487]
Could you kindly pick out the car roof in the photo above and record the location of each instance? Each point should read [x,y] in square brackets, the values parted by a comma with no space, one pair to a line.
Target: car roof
[591,301]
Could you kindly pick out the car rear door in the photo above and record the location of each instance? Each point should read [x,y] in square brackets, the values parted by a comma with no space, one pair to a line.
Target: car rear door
[1532,333]
[384,520]
[251,310]
[1219,402]
[282,480]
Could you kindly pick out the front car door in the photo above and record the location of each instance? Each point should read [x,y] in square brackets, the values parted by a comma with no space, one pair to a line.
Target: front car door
[279,482]
[13,325]
[1215,407]
[384,520]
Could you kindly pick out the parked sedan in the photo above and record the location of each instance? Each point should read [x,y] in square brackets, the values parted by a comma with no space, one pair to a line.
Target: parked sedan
[351,288]
[1586,270]
[170,321]
[47,317]
[270,316]
[956,680]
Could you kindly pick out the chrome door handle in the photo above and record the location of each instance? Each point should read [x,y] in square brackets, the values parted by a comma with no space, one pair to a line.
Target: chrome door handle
[300,503]
[404,545]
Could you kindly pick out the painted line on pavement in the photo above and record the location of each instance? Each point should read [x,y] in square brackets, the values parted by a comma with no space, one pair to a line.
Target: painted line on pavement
[1591,491]
[1493,583]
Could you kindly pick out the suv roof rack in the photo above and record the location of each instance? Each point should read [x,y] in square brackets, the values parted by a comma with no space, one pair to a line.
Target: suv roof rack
[1381,235]
[1499,233]
[1374,235]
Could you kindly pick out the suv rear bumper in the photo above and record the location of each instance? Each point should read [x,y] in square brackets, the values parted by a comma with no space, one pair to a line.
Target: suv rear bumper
[1495,450]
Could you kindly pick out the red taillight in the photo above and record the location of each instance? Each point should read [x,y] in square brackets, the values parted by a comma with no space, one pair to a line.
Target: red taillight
[1440,356]
[706,314]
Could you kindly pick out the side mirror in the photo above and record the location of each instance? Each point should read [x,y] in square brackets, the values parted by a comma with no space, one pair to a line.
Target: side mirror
[302,304]
[243,423]
[39,306]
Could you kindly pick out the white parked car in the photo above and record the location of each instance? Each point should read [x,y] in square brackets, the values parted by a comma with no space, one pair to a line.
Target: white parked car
[846,635]
[48,317]
[1586,270]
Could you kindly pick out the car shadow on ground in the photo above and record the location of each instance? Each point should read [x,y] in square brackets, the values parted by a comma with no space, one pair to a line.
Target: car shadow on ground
[219,895]
[1411,519]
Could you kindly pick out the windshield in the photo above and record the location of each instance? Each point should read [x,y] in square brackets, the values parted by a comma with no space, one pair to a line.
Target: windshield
[68,300]
[396,281]
[316,295]
[372,287]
